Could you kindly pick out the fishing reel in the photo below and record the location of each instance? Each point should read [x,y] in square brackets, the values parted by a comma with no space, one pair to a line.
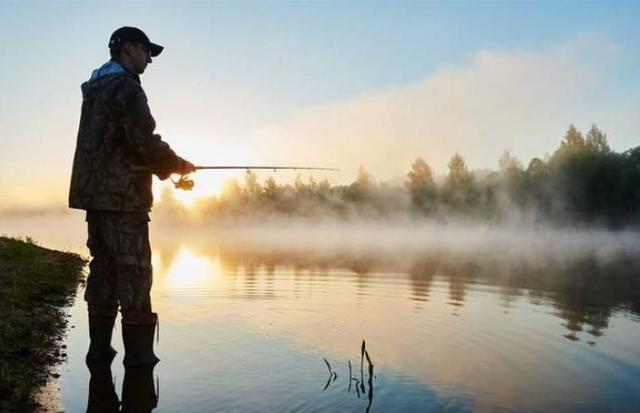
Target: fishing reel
[185,183]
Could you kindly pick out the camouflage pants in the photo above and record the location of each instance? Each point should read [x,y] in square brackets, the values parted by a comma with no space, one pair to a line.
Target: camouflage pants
[120,271]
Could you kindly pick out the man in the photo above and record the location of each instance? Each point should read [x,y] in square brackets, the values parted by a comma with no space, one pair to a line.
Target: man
[116,154]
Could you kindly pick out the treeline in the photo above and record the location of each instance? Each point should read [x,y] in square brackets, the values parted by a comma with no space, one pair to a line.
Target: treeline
[582,182]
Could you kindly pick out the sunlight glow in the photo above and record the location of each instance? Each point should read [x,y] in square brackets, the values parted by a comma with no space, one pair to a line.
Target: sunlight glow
[207,184]
[189,271]
[195,146]
[188,198]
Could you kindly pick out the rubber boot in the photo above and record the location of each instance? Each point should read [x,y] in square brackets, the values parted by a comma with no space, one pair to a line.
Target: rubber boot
[138,342]
[139,395]
[100,330]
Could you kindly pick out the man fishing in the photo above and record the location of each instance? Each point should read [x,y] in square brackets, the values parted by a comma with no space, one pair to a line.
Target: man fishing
[116,154]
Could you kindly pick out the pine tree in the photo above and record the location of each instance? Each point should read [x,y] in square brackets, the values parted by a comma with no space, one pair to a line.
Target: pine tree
[573,139]
[596,140]
[421,185]
[420,175]
[458,172]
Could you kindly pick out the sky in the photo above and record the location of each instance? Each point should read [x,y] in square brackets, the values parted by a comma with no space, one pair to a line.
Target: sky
[337,84]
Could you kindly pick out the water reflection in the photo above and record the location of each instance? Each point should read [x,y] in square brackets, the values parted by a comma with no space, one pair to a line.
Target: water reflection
[421,276]
[584,291]
[402,302]
[139,394]
[102,391]
[185,270]
[453,326]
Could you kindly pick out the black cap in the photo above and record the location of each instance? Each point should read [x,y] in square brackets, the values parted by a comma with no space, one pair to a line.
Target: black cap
[133,34]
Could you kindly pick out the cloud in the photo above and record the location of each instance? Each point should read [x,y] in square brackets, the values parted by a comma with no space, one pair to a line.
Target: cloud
[517,100]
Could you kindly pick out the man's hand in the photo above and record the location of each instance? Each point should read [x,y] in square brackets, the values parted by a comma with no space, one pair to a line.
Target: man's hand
[186,167]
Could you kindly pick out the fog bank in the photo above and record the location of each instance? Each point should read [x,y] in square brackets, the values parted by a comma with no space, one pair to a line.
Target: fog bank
[400,240]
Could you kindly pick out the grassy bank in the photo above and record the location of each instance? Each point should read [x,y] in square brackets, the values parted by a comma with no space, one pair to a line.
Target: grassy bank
[35,284]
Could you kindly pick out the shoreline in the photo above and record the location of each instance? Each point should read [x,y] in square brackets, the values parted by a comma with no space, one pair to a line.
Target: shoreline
[37,285]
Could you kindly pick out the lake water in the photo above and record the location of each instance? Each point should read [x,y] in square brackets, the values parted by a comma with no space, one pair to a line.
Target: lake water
[461,320]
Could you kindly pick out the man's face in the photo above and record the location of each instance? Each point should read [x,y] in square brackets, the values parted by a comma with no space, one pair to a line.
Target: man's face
[139,57]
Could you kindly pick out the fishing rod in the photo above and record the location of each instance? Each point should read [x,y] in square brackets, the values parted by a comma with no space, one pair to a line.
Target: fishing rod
[273,168]
[187,184]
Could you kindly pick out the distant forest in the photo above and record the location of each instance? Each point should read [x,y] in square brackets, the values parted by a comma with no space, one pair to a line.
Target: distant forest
[583,182]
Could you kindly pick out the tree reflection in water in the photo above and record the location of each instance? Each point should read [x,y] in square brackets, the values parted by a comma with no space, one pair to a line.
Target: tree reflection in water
[584,291]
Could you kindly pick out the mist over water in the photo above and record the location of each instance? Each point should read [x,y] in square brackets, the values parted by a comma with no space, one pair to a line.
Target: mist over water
[400,241]
[396,242]
[599,267]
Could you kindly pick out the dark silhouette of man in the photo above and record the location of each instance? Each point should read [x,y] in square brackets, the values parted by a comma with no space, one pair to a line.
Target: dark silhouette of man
[116,154]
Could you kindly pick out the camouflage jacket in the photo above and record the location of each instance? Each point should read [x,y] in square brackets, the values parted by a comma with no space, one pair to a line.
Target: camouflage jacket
[116,150]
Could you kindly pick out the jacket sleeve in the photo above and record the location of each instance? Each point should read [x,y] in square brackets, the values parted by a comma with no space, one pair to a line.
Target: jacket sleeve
[147,147]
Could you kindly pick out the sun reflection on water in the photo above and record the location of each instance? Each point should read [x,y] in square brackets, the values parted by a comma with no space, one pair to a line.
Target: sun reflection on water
[190,271]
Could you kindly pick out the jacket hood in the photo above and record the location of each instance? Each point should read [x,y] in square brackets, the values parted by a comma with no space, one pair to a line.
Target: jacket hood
[101,77]
[109,68]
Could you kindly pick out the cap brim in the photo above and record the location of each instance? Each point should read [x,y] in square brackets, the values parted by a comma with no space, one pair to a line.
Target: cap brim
[155,49]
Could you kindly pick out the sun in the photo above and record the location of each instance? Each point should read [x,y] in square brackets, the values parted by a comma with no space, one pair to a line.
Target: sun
[206,184]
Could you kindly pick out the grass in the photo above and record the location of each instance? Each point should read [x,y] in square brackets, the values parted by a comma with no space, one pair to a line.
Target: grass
[35,284]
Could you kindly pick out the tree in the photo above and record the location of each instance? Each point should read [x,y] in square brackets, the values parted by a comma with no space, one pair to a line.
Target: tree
[421,185]
[573,139]
[251,188]
[231,190]
[324,187]
[596,140]
[513,177]
[537,168]
[420,174]
[361,189]
[363,179]
[301,189]
[271,190]
[459,191]
[458,175]
[508,163]
[573,143]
